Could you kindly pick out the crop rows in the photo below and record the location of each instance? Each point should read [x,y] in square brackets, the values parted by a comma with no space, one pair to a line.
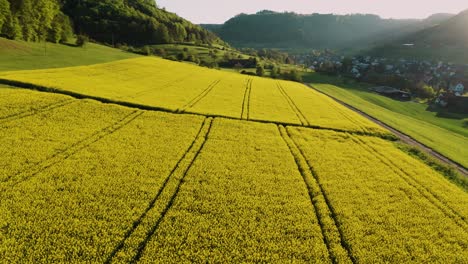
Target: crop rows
[333,237]
[299,114]
[200,97]
[56,158]
[86,182]
[354,175]
[166,85]
[134,243]
[243,200]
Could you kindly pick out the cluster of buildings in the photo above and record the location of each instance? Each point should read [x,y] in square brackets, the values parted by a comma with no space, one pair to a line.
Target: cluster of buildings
[440,75]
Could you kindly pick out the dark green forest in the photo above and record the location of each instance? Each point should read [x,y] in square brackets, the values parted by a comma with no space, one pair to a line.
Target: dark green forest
[34,20]
[290,30]
[131,22]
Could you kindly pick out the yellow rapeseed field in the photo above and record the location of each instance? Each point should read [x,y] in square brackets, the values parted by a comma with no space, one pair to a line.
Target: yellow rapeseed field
[231,168]
[181,87]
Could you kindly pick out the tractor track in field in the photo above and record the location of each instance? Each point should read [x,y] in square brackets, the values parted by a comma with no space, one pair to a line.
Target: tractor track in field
[44,109]
[420,188]
[164,190]
[60,156]
[300,116]
[403,137]
[199,97]
[316,192]
[245,114]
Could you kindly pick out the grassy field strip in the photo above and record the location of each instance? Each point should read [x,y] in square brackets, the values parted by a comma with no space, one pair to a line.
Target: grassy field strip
[331,231]
[83,206]
[293,106]
[22,55]
[245,113]
[446,136]
[373,202]
[134,243]
[422,190]
[58,157]
[199,97]
[32,112]
[243,201]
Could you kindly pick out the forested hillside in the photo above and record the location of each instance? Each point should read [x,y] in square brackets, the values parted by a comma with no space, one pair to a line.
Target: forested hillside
[132,22]
[451,32]
[34,20]
[290,30]
[447,41]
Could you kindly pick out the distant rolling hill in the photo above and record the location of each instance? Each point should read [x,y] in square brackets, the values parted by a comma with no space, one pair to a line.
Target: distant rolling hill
[267,29]
[447,41]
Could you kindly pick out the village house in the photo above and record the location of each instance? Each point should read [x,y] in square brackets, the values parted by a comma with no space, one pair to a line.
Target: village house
[457,89]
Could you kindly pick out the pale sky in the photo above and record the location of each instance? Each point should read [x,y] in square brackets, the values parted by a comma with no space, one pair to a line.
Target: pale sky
[218,11]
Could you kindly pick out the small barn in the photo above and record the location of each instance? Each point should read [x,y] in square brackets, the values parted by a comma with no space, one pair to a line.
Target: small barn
[392,92]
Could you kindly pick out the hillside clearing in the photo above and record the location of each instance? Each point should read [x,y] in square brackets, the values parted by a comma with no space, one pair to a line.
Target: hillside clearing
[20,55]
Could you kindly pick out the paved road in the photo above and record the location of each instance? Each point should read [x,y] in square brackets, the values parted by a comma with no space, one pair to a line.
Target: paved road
[403,137]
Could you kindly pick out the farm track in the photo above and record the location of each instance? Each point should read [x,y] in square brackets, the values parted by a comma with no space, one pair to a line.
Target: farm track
[245,114]
[403,137]
[60,156]
[40,110]
[199,97]
[420,188]
[339,250]
[134,243]
[300,116]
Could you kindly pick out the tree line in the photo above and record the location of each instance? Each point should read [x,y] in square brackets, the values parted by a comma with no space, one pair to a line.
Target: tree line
[130,22]
[267,29]
[34,20]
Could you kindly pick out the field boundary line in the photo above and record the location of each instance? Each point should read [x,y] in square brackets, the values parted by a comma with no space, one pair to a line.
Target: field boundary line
[44,109]
[300,116]
[420,188]
[199,97]
[176,177]
[333,237]
[60,156]
[402,136]
[245,113]
[386,136]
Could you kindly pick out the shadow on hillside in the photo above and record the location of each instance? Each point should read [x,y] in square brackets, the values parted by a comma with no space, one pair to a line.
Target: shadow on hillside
[444,113]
